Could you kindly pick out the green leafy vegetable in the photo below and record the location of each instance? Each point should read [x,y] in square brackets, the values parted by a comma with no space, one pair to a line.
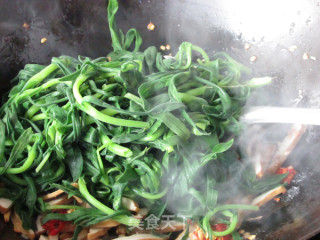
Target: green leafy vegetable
[75,162]
[159,131]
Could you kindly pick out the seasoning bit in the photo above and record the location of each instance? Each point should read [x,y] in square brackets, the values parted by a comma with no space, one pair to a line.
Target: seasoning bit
[246,235]
[43,40]
[255,218]
[109,58]
[247,46]
[253,59]
[162,48]
[305,56]
[168,47]
[241,231]
[26,25]
[252,237]
[313,58]
[292,48]
[151,26]
[276,199]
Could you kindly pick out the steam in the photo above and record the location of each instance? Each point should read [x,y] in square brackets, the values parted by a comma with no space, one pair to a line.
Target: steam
[268,114]
[291,100]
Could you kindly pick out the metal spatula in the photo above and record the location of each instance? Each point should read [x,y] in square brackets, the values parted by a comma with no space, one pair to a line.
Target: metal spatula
[264,114]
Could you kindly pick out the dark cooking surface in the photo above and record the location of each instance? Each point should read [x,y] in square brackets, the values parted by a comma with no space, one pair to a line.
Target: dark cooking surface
[279,33]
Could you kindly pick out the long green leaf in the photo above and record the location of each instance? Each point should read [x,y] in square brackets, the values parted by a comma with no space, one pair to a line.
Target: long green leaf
[17,150]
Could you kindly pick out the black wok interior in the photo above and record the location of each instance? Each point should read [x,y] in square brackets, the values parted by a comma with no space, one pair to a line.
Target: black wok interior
[278,35]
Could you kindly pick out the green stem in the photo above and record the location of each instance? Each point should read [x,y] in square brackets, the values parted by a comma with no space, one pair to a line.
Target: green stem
[134,98]
[84,191]
[93,112]
[110,112]
[33,91]
[51,83]
[27,164]
[197,91]
[230,229]
[31,111]
[111,120]
[60,171]
[104,178]
[130,221]
[66,106]
[234,218]
[27,93]
[115,148]
[43,161]
[39,77]
[39,117]
[17,180]
[151,196]
[52,207]
[154,136]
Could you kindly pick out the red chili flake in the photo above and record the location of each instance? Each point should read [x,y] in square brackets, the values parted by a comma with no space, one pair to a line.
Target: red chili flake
[151,26]
[26,25]
[220,227]
[54,227]
[282,170]
[195,235]
[276,199]
[292,172]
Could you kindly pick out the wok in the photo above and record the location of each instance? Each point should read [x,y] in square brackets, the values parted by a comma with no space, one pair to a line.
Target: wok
[282,36]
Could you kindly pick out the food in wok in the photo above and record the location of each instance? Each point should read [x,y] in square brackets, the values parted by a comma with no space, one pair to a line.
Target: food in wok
[136,145]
